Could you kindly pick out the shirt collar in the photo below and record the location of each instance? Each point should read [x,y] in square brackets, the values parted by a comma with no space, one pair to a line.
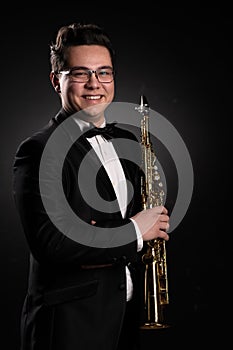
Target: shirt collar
[84,125]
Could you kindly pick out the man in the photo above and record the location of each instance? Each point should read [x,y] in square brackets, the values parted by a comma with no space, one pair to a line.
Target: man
[83,286]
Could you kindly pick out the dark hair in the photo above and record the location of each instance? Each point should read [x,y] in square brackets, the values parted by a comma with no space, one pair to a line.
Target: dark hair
[77,34]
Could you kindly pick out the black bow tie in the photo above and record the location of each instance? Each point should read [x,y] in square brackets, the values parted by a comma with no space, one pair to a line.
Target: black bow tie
[108,132]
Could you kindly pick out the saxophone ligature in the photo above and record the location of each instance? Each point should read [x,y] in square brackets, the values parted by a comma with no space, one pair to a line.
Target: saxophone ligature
[152,194]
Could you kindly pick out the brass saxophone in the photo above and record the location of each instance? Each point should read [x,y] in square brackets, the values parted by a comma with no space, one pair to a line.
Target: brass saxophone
[155,281]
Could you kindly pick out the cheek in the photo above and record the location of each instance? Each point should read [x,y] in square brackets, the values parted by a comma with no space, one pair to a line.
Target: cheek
[72,93]
[111,91]
[69,87]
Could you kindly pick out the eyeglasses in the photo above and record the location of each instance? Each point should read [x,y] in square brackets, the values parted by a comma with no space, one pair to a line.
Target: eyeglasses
[83,75]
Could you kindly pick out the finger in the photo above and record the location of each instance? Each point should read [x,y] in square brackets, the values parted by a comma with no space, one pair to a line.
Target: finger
[164,218]
[163,235]
[164,226]
[160,210]
[164,210]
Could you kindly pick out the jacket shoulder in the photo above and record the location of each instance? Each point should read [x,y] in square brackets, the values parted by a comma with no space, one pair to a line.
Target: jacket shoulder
[35,143]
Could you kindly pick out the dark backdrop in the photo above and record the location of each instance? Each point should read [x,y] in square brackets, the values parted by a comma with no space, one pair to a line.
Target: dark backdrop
[181,60]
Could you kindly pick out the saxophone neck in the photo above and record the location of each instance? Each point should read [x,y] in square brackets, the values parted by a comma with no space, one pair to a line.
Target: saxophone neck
[145,138]
[143,109]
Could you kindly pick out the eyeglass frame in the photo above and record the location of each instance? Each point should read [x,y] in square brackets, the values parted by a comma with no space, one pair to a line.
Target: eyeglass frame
[68,72]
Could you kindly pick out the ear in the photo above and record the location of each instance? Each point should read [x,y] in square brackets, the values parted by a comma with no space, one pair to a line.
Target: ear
[55,82]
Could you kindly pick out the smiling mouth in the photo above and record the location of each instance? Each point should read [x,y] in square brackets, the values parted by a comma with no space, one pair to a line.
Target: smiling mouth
[91,97]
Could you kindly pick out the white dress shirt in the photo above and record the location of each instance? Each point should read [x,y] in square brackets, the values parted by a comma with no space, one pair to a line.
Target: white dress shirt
[108,157]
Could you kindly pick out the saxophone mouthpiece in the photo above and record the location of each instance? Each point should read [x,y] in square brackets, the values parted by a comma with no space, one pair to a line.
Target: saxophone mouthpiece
[143,107]
[143,101]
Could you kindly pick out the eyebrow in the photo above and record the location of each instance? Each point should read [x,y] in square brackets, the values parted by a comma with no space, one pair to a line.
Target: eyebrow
[83,67]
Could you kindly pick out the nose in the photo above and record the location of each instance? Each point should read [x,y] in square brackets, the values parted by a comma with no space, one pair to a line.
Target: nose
[91,72]
[93,78]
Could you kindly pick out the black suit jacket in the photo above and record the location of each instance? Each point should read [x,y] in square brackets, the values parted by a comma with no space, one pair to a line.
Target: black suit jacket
[69,306]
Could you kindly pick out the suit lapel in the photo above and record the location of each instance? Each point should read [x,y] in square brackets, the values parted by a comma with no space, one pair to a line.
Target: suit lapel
[82,147]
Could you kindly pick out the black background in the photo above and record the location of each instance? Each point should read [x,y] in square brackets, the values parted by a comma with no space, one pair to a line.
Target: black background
[181,60]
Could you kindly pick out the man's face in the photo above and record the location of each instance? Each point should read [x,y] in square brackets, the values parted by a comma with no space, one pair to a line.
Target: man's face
[92,95]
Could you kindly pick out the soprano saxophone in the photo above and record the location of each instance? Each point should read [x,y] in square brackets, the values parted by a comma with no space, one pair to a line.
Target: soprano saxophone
[152,193]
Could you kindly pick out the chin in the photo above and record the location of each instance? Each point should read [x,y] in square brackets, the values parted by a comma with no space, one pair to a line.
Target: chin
[95,112]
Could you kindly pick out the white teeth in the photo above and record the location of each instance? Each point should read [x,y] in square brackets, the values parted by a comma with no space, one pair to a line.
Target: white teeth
[93,97]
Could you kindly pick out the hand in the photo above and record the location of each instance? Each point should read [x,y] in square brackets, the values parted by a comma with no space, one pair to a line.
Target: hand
[153,223]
